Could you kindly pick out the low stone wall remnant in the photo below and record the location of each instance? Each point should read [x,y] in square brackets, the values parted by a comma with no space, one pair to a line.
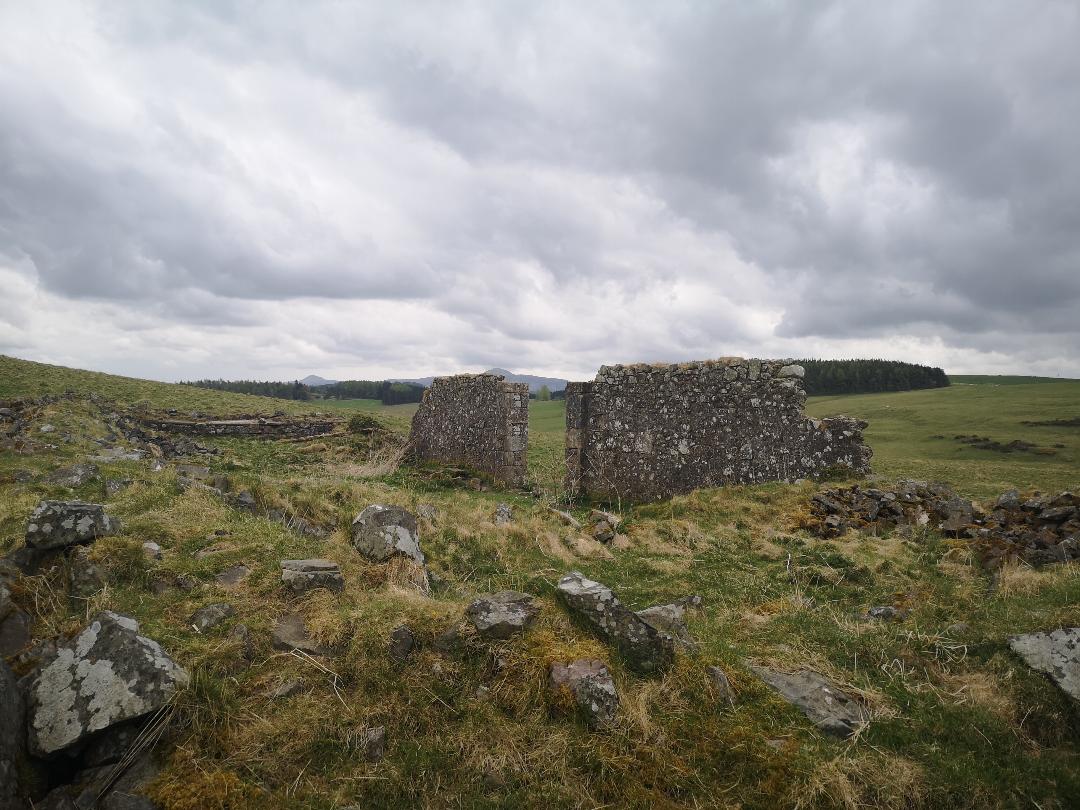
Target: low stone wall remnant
[255,427]
[480,421]
[644,432]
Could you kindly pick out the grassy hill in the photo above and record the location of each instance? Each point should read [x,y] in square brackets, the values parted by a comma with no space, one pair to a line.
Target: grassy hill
[957,719]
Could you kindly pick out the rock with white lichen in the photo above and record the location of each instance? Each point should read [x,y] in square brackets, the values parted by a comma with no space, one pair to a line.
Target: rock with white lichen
[107,674]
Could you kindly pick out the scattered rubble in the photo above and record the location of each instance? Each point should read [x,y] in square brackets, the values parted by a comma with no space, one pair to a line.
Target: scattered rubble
[1038,529]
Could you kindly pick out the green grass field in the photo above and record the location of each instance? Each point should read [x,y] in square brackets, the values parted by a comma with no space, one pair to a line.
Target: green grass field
[957,720]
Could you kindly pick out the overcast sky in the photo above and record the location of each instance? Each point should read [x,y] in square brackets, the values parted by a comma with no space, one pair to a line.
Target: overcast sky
[362,190]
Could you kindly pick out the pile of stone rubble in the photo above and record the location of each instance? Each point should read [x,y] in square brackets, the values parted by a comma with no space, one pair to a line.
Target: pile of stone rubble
[1037,528]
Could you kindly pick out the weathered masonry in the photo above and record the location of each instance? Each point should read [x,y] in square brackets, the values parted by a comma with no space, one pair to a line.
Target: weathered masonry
[254,427]
[476,420]
[644,432]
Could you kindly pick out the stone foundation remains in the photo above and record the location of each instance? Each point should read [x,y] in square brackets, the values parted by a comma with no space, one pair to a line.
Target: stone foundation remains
[644,432]
[476,420]
[256,427]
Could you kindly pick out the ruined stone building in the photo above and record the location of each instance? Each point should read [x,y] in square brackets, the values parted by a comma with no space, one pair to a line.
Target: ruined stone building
[644,432]
[480,421]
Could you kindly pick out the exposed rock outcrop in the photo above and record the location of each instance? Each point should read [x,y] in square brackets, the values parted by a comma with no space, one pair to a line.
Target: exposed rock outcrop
[305,575]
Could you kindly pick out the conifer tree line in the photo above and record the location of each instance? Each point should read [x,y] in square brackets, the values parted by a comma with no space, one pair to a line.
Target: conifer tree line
[389,393]
[826,377]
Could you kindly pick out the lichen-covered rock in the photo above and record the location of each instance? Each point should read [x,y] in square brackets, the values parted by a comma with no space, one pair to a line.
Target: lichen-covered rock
[645,650]
[588,684]
[381,532]
[306,575]
[106,675]
[55,524]
[209,617]
[1056,653]
[500,615]
[826,706]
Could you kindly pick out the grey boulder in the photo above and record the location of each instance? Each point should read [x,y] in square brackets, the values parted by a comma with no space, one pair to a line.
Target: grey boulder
[645,650]
[824,704]
[106,675]
[1056,653]
[588,684]
[306,575]
[501,615]
[55,524]
[381,532]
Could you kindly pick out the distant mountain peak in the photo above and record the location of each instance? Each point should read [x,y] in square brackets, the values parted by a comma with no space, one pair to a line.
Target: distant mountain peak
[314,380]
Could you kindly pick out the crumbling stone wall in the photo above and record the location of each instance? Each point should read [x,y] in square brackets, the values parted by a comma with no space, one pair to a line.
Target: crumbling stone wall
[476,420]
[643,432]
[253,427]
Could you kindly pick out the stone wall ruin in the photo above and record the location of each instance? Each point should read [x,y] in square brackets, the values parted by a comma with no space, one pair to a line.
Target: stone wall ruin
[645,432]
[479,421]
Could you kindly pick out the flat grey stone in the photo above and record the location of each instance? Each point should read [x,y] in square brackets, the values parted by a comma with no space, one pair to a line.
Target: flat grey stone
[824,704]
[305,575]
[670,621]
[74,476]
[106,675]
[231,577]
[1056,653]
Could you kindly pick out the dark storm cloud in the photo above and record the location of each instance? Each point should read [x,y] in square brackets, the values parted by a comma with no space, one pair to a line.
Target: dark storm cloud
[537,177]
